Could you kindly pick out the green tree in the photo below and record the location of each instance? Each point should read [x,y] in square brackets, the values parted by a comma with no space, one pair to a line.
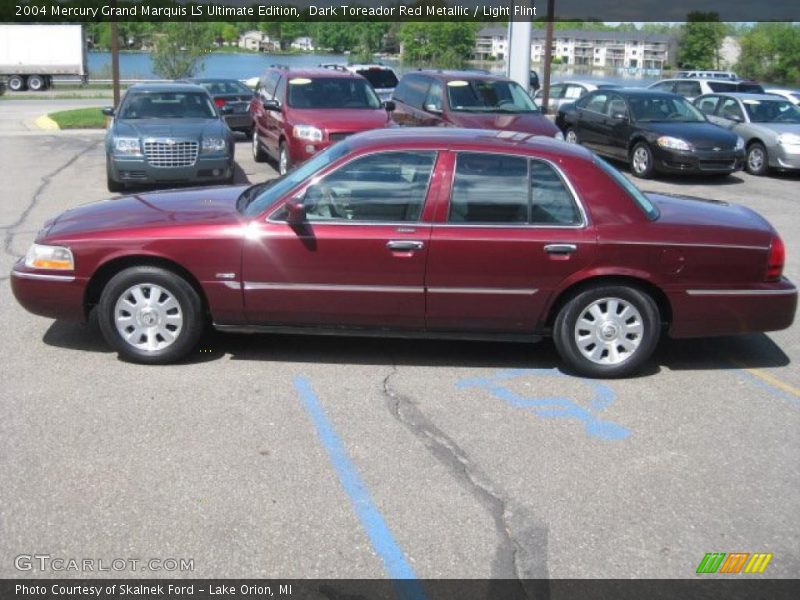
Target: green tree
[701,40]
[445,44]
[771,52]
[180,48]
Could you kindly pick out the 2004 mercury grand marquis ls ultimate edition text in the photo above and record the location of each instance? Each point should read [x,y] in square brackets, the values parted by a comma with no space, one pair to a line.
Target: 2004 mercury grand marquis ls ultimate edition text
[430,232]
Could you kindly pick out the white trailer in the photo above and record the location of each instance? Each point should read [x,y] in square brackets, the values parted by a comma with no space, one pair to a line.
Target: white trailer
[31,55]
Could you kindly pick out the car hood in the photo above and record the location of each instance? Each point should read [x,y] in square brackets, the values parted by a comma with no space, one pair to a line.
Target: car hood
[727,223]
[525,122]
[698,134]
[212,205]
[177,128]
[343,119]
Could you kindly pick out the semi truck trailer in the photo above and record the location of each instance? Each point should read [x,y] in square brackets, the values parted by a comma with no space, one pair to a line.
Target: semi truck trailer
[31,56]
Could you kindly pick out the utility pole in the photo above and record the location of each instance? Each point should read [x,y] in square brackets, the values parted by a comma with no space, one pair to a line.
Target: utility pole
[548,44]
[115,56]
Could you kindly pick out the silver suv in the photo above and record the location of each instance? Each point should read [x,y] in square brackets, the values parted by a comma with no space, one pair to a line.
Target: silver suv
[692,87]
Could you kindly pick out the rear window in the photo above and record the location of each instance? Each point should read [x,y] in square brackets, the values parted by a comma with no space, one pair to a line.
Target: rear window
[226,87]
[379,78]
[749,88]
[721,86]
[635,193]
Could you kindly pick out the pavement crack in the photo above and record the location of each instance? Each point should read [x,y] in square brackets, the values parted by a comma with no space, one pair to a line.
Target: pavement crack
[11,230]
[512,559]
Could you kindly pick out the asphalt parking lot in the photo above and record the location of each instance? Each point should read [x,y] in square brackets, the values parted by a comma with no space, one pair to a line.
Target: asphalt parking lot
[272,456]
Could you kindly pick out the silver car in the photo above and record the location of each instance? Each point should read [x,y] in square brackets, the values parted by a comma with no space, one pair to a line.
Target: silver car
[792,96]
[769,125]
[565,92]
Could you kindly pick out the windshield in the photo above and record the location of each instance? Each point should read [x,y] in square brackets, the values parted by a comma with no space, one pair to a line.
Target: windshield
[641,200]
[379,78]
[336,92]
[771,111]
[167,105]
[650,109]
[488,96]
[218,88]
[276,188]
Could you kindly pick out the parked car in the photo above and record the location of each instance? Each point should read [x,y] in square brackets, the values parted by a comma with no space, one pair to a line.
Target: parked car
[769,125]
[652,131]
[707,75]
[690,88]
[417,232]
[167,133]
[792,96]
[299,112]
[533,84]
[233,93]
[467,99]
[383,79]
[565,92]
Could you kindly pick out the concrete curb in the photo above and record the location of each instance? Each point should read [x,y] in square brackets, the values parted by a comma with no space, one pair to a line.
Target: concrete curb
[46,123]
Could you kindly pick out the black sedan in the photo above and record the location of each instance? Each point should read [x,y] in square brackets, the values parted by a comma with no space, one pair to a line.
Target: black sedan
[652,131]
[236,96]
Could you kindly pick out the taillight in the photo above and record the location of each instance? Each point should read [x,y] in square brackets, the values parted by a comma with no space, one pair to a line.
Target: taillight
[220,102]
[777,256]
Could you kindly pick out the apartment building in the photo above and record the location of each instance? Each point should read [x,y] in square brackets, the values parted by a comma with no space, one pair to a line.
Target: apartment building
[595,49]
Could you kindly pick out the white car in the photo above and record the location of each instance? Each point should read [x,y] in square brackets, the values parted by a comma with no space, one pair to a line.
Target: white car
[792,96]
[692,87]
[565,92]
[382,78]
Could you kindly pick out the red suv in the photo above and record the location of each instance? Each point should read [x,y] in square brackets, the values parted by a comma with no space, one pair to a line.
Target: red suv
[467,99]
[298,112]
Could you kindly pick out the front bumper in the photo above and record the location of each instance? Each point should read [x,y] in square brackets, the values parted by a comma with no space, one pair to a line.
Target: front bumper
[711,312]
[137,170]
[697,161]
[48,293]
[784,157]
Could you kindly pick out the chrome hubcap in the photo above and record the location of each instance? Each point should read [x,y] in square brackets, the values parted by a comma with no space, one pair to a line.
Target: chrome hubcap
[283,163]
[148,317]
[572,137]
[756,159]
[640,160]
[609,331]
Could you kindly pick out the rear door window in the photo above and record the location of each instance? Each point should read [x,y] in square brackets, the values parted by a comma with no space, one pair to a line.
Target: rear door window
[412,90]
[708,104]
[689,89]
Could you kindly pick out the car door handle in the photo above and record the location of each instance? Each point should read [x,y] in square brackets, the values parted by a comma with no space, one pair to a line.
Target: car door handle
[405,245]
[560,248]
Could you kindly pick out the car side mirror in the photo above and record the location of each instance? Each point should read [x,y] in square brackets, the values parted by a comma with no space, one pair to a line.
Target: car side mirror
[432,108]
[108,111]
[296,211]
[620,117]
[225,109]
[736,118]
[389,105]
[271,104]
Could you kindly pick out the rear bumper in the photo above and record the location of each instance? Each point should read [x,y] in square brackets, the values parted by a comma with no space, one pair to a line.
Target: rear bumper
[57,296]
[709,312]
[207,169]
[239,122]
[698,161]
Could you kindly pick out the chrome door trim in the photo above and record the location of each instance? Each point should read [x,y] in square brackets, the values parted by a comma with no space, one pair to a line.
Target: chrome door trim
[787,292]
[481,290]
[42,276]
[326,287]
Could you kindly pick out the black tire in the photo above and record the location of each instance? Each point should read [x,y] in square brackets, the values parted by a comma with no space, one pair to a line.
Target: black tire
[756,161]
[284,160]
[113,185]
[259,155]
[567,328]
[174,288]
[642,162]
[570,131]
[17,83]
[37,83]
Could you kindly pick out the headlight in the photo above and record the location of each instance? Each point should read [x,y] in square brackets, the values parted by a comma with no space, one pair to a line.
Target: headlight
[50,257]
[129,146]
[789,139]
[307,132]
[739,143]
[672,143]
[212,144]
[558,135]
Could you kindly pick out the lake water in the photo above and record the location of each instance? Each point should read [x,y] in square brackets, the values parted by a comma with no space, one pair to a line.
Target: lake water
[137,65]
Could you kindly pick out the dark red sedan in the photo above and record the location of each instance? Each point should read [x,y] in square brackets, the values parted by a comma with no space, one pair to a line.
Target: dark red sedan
[431,232]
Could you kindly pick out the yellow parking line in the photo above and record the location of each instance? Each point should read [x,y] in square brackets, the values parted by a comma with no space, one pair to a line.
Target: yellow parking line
[46,123]
[771,380]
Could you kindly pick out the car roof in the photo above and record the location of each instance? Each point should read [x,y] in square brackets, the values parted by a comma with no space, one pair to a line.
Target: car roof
[746,96]
[633,92]
[369,66]
[707,79]
[445,74]
[166,87]
[212,79]
[316,72]
[488,140]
